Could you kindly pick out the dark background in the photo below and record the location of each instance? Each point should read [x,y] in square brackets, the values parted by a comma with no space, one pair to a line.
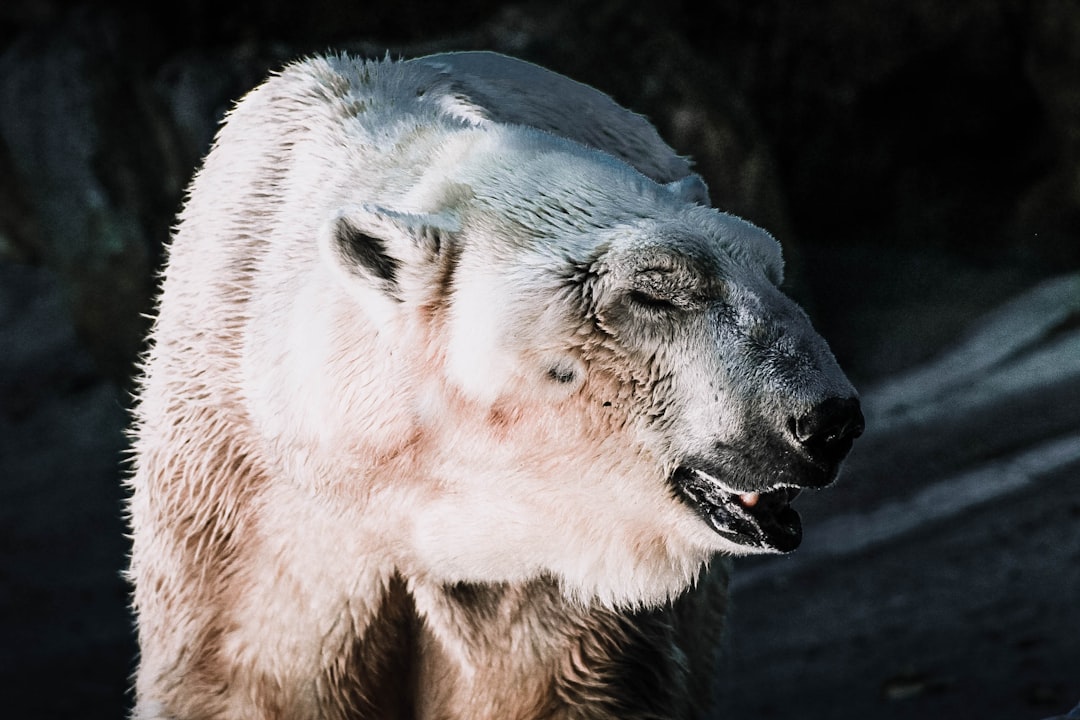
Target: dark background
[920,162]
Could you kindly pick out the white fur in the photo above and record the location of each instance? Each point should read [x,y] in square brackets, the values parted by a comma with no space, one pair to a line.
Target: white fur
[489,411]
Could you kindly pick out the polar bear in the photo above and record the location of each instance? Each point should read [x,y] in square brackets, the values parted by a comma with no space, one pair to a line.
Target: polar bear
[457,398]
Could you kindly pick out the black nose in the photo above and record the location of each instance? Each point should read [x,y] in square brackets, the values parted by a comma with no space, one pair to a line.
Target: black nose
[829,429]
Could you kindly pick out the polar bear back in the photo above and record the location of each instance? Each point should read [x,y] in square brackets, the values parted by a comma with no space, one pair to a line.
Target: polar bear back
[517,92]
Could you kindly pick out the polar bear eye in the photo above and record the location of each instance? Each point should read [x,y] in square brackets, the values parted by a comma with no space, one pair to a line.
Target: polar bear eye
[655,289]
[652,300]
[665,290]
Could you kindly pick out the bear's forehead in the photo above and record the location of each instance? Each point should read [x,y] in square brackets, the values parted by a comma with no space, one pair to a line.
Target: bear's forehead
[535,191]
[711,245]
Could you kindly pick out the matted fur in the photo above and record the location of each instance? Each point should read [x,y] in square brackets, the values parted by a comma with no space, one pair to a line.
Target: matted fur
[402,449]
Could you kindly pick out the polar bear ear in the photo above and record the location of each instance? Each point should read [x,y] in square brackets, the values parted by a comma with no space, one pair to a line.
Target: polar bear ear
[691,189]
[376,245]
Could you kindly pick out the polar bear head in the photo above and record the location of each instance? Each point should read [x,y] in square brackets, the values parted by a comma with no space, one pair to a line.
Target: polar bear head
[599,377]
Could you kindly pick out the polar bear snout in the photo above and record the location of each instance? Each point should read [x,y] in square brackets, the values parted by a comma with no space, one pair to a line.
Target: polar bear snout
[827,432]
[744,490]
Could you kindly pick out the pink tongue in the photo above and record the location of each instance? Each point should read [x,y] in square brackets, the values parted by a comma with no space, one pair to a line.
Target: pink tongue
[749,499]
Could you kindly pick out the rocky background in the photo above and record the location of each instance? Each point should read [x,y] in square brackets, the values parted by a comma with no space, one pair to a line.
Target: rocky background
[920,162]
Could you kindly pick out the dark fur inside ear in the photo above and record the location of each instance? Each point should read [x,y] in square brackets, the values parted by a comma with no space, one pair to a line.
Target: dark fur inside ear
[365,252]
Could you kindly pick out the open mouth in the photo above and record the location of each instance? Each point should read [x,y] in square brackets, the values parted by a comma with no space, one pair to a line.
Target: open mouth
[763,521]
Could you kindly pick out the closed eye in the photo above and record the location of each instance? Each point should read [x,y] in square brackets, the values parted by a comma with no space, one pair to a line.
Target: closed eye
[650,300]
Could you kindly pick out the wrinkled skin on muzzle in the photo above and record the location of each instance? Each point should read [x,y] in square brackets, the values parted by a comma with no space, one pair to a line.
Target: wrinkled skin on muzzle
[756,407]
[791,418]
